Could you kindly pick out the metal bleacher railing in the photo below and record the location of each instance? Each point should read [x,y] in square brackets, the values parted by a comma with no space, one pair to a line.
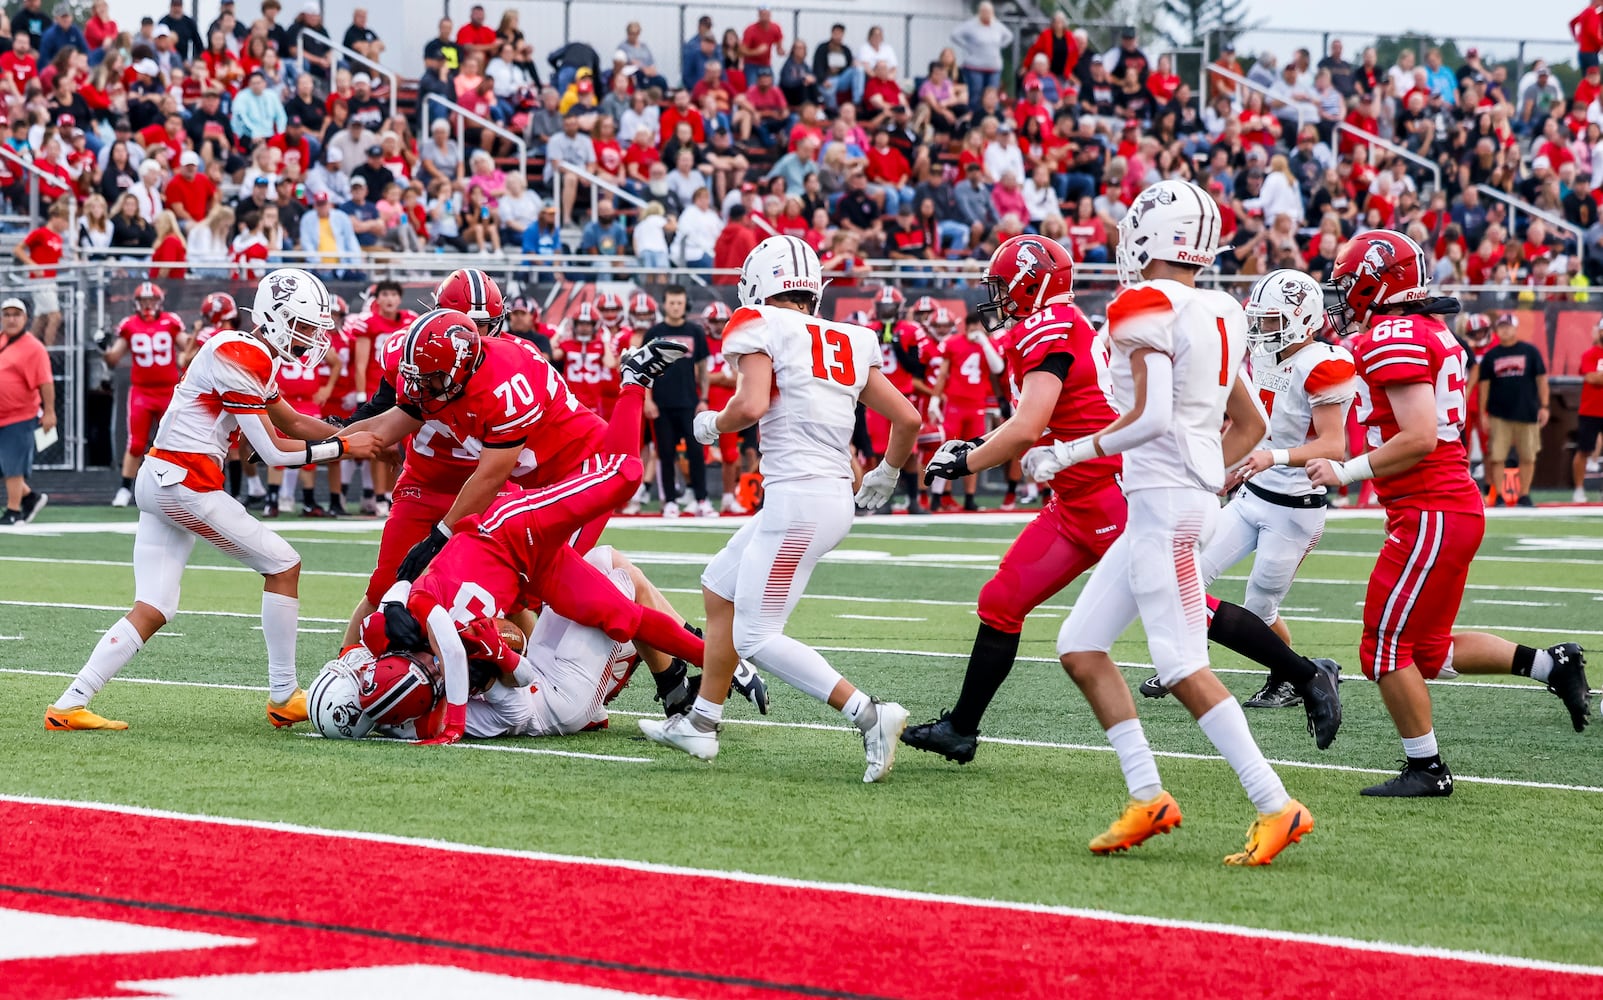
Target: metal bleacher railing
[393,77]
[461,116]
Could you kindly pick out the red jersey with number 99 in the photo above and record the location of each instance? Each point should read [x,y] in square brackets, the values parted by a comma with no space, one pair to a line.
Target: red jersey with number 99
[153,350]
[1405,350]
[1059,338]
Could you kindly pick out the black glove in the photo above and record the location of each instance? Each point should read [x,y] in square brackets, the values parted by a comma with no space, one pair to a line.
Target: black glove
[104,339]
[402,630]
[422,554]
[950,461]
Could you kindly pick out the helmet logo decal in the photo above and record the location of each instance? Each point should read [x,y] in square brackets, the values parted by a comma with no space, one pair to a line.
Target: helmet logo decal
[1378,257]
[1295,294]
[1030,258]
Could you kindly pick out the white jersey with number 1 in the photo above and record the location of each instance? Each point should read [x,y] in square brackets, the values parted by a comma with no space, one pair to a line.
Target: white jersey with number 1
[820,368]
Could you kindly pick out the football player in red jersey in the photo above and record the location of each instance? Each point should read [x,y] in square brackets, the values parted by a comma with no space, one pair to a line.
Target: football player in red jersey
[155,340]
[370,331]
[470,291]
[968,359]
[337,397]
[642,312]
[1412,401]
[588,360]
[908,354]
[737,453]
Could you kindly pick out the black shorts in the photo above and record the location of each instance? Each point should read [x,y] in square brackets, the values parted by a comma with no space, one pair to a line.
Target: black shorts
[1587,432]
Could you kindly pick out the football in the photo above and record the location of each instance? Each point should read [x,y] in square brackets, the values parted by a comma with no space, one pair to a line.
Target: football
[511,634]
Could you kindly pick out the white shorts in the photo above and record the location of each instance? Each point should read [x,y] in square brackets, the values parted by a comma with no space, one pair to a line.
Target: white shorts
[1151,571]
[765,567]
[45,300]
[1281,536]
[172,516]
[576,667]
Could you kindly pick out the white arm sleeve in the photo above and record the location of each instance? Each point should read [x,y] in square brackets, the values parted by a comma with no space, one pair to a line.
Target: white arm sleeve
[1156,414]
[453,656]
[262,439]
[993,359]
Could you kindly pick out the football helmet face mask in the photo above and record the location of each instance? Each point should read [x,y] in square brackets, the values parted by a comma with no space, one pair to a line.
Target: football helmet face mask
[358,693]
[470,291]
[715,317]
[338,309]
[1024,275]
[584,322]
[642,311]
[923,309]
[219,309]
[441,352]
[1171,220]
[292,313]
[888,304]
[1379,268]
[148,298]
[1287,307]
[778,265]
[942,323]
[1478,330]
[610,308]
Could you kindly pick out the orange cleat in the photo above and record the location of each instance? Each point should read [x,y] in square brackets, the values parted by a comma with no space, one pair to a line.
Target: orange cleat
[290,712]
[1272,833]
[61,720]
[1139,822]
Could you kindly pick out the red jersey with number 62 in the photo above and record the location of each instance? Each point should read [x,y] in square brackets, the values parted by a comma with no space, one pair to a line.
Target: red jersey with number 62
[1060,339]
[153,350]
[1405,350]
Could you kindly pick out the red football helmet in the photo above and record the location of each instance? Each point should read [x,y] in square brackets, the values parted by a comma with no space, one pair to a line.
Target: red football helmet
[358,693]
[1478,329]
[148,298]
[714,317]
[441,351]
[526,305]
[642,310]
[1025,273]
[888,304]
[219,309]
[610,308]
[923,308]
[942,322]
[337,306]
[585,317]
[470,291]
[1379,268]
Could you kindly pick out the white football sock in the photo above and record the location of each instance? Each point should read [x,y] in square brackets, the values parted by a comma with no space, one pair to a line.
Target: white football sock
[280,617]
[254,487]
[1542,666]
[111,654]
[367,475]
[705,715]
[859,708]
[1420,747]
[1225,725]
[798,665]
[1135,758]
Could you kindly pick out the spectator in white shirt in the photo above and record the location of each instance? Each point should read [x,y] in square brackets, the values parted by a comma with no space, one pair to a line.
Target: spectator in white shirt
[651,237]
[876,50]
[1039,195]
[1003,156]
[148,191]
[517,208]
[698,231]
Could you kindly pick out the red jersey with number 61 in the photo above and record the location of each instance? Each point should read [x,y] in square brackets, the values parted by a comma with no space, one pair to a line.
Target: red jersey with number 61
[1058,339]
[153,350]
[1405,350]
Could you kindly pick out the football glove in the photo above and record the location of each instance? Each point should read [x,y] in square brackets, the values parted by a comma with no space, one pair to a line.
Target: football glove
[705,427]
[878,485]
[483,641]
[418,559]
[402,631]
[950,461]
[1044,462]
[456,722]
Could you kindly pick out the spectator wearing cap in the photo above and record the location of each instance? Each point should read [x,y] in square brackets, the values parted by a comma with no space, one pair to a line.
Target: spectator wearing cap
[1587,30]
[329,238]
[695,50]
[364,104]
[297,39]
[27,403]
[62,34]
[761,39]
[30,19]
[190,194]
[364,214]
[373,170]
[1128,56]
[1538,92]
[325,176]
[766,106]
[1513,392]
[208,125]
[980,41]
[293,145]
[258,114]
[186,33]
[522,323]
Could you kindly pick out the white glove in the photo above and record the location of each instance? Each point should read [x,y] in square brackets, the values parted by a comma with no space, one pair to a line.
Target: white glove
[705,426]
[935,411]
[878,485]
[1044,462]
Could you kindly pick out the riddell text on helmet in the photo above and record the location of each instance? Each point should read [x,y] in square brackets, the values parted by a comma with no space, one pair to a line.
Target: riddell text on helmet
[1190,257]
[804,283]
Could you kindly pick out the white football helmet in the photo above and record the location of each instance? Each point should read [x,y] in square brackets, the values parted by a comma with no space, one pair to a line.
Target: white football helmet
[780,264]
[292,310]
[1287,307]
[334,701]
[1172,220]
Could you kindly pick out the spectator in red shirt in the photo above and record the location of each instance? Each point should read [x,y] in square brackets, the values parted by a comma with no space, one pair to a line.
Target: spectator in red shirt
[20,63]
[1058,44]
[169,133]
[1587,30]
[761,38]
[190,194]
[1033,105]
[889,171]
[880,94]
[41,250]
[738,239]
[170,249]
[764,104]
[682,110]
[1163,81]
[476,36]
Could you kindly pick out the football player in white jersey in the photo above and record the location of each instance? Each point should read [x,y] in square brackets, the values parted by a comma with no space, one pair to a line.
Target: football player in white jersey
[799,378]
[228,388]
[1176,373]
[1305,386]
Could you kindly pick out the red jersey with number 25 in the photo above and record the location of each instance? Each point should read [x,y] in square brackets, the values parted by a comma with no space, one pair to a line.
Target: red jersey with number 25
[1041,341]
[584,370]
[1404,350]
[153,350]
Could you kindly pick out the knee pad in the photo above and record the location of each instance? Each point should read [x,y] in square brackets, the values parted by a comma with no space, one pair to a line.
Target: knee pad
[751,636]
[1170,675]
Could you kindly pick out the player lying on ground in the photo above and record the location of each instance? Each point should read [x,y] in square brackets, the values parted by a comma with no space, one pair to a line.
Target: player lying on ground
[799,378]
[1055,363]
[1412,402]
[1277,514]
[228,388]
[561,676]
[1176,371]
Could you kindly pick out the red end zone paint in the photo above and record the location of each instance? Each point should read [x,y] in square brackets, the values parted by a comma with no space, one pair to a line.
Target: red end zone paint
[313,901]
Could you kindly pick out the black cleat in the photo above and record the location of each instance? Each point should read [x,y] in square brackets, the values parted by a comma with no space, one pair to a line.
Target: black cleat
[680,698]
[1275,694]
[1321,699]
[645,364]
[1153,688]
[1568,681]
[751,686]
[940,736]
[1413,782]
[32,504]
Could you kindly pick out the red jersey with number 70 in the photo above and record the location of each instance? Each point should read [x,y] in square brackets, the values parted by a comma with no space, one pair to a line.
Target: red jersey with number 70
[1408,350]
[1060,338]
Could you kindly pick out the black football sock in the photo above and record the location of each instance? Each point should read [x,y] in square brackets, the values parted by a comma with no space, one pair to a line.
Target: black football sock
[908,483]
[1524,659]
[988,666]
[127,482]
[670,678]
[309,497]
[236,476]
[1012,485]
[367,493]
[1239,630]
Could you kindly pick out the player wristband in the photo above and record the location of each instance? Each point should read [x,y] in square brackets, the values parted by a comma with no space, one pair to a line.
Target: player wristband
[324,451]
[1280,456]
[1083,450]
[443,529]
[1353,471]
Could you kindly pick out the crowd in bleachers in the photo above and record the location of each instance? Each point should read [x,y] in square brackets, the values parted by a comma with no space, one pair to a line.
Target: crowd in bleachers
[214,151]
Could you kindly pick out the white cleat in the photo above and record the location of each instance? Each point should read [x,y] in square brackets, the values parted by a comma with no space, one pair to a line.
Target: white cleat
[1579,496]
[681,734]
[879,743]
[123,498]
[704,509]
[670,509]
[732,508]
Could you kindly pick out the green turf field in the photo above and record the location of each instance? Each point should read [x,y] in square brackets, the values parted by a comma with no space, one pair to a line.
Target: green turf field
[1506,865]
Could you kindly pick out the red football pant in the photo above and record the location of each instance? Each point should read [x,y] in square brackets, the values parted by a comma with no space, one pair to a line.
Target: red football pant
[145,407]
[964,423]
[622,439]
[1416,588]
[1064,540]
[413,514]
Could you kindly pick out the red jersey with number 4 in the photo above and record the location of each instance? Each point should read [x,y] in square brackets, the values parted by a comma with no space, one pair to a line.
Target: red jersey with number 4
[153,350]
[1407,350]
[968,385]
[718,395]
[1060,339]
[586,373]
